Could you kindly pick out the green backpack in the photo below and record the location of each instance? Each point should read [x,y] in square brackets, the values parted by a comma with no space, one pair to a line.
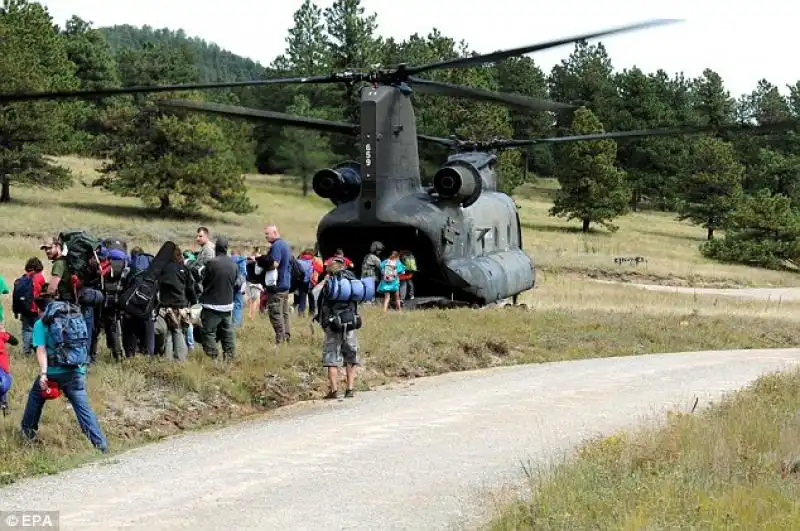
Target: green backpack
[82,259]
[410,263]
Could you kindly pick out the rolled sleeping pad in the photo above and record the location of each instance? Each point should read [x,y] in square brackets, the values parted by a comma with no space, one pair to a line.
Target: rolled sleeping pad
[357,289]
[332,289]
[346,290]
[369,289]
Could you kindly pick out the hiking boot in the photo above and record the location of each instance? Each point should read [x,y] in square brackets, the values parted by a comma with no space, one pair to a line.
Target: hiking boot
[332,395]
[4,407]
[349,393]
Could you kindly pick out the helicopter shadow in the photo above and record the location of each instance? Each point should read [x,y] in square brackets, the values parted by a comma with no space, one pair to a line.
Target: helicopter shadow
[141,212]
[564,229]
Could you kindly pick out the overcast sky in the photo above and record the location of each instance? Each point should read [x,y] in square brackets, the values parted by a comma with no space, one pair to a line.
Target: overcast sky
[743,41]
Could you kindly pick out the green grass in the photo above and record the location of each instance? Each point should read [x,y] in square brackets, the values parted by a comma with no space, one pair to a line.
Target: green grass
[140,401]
[726,467]
[573,317]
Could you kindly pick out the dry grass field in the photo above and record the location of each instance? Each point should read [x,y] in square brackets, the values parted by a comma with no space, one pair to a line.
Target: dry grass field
[573,316]
[732,466]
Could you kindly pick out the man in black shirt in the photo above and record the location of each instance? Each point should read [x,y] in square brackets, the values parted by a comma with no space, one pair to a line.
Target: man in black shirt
[220,282]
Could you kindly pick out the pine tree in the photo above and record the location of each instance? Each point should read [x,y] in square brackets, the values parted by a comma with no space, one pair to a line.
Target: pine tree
[302,152]
[714,188]
[593,189]
[96,67]
[169,161]
[32,58]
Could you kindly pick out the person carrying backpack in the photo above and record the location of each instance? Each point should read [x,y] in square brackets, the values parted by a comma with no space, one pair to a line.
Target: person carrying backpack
[238,298]
[84,282]
[371,265]
[302,297]
[114,266]
[62,342]
[391,269]
[26,288]
[339,322]
[407,278]
[138,332]
[5,367]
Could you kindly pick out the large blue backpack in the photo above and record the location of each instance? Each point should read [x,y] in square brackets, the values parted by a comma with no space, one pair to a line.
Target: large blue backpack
[308,269]
[67,329]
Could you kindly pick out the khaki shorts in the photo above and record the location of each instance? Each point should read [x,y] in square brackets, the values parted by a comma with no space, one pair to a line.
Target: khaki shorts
[254,291]
[339,348]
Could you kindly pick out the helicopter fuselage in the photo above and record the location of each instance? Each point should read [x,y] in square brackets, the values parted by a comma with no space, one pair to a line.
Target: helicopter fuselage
[464,234]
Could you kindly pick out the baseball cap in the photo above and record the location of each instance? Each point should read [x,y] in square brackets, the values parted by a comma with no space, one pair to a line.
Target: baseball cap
[49,242]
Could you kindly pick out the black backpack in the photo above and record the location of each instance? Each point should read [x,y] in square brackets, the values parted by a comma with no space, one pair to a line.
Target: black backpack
[23,297]
[115,282]
[298,276]
[141,295]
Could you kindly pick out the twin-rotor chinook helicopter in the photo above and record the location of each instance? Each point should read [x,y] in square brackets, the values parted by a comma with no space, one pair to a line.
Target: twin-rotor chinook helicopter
[464,233]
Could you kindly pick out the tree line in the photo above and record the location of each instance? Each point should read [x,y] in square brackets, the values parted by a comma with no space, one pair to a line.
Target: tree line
[741,184]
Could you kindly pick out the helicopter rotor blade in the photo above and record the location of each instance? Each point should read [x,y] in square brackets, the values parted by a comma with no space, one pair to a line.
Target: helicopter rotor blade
[447,142]
[457,91]
[514,52]
[102,93]
[234,111]
[666,131]
[620,135]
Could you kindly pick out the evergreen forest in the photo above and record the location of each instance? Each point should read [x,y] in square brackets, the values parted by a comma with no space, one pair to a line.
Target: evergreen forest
[744,189]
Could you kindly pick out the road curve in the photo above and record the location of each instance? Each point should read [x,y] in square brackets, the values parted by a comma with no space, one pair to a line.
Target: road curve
[419,456]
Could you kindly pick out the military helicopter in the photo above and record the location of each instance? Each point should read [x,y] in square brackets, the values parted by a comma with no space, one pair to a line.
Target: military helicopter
[464,233]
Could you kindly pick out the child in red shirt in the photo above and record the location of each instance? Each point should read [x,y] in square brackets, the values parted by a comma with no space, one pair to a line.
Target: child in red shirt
[5,366]
[33,269]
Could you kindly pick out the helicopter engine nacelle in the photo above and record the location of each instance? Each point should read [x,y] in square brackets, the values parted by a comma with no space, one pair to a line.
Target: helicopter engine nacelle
[459,181]
[340,184]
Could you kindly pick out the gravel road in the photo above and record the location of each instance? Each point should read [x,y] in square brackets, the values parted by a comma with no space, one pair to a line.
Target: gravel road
[773,294]
[419,456]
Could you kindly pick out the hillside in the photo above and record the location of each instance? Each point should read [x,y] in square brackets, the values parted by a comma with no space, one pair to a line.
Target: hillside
[214,63]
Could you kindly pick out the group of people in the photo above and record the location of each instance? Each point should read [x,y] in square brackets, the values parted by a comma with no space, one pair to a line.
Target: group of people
[158,304]
[269,281]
